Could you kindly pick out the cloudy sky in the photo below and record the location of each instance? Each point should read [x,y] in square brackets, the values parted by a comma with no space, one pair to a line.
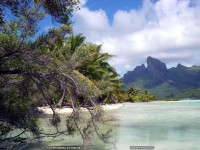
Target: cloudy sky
[134,29]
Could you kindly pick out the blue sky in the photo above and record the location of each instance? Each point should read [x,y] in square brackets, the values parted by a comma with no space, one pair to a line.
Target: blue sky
[132,30]
[111,6]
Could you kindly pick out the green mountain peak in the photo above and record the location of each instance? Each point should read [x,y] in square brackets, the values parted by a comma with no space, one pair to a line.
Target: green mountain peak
[162,82]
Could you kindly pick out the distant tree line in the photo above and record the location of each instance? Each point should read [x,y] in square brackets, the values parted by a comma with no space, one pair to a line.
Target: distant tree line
[134,94]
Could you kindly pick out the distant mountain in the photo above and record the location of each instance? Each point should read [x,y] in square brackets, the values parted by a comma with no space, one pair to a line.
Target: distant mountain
[162,82]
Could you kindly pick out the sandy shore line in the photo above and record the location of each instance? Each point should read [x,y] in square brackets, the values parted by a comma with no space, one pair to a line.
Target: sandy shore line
[47,109]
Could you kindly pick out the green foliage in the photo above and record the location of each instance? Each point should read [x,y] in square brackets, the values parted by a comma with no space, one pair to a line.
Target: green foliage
[88,67]
[138,95]
[55,120]
[192,93]
[29,72]
[71,128]
[163,90]
[4,129]
[32,10]
[85,86]
[48,69]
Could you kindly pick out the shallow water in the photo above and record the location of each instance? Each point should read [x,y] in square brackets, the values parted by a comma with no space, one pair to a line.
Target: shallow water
[164,125]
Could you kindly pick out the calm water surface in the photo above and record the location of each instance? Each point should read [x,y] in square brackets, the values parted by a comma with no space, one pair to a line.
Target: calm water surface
[165,125]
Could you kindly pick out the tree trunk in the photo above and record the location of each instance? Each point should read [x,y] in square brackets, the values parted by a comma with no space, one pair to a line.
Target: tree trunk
[60,103]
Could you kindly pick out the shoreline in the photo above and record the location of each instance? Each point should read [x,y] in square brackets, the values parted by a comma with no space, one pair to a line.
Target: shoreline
[66,110]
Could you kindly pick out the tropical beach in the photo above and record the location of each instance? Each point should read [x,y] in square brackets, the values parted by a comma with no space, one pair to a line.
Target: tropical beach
[66,110]
[99,75]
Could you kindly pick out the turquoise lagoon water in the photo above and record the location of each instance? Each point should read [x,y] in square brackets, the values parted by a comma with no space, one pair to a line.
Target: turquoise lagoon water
[164,125]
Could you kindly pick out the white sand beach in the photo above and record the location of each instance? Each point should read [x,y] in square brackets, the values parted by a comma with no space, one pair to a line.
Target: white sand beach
[66,110]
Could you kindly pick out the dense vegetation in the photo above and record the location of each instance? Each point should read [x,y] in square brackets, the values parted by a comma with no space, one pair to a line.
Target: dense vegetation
[55,68]
[51,69]
[138,95]
[192,93]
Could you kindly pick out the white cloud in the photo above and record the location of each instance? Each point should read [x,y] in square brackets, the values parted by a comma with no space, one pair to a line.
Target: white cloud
[167,30]
[83,2]
[92,23]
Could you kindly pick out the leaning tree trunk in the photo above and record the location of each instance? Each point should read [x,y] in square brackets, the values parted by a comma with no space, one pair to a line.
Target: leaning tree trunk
[60,103]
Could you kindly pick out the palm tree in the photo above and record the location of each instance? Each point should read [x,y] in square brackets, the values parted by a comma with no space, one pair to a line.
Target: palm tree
[89,69]
[77,54]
